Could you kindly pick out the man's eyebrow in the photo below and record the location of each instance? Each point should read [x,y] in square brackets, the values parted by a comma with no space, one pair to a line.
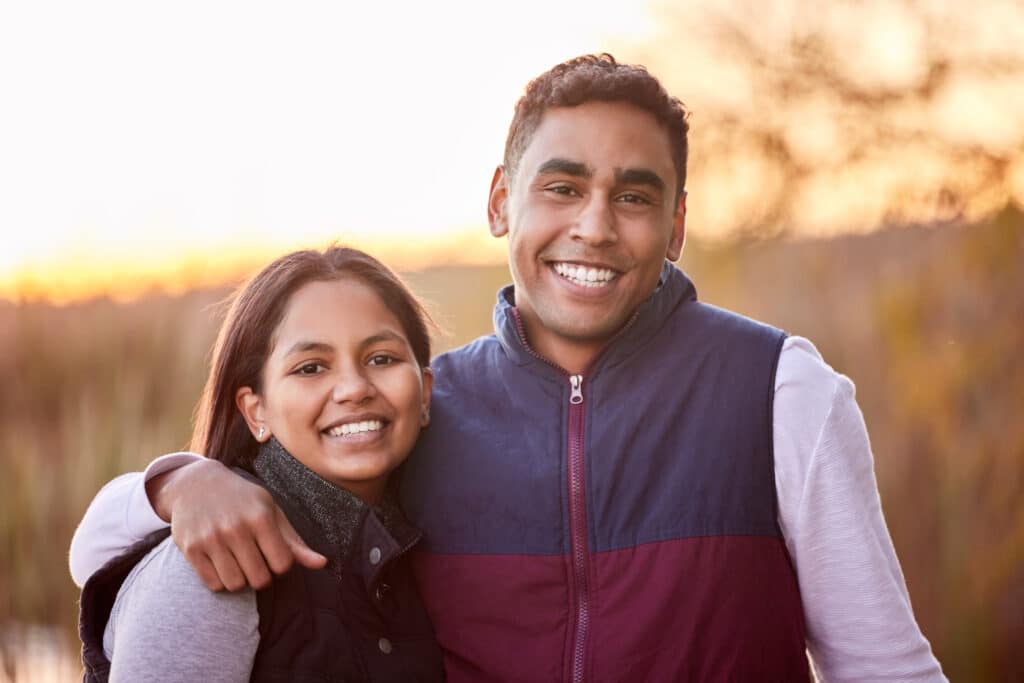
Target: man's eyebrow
[566,166]
[305,346]
[639,176]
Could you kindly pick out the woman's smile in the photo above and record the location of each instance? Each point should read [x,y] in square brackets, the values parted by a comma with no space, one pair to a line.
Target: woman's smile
[371,427]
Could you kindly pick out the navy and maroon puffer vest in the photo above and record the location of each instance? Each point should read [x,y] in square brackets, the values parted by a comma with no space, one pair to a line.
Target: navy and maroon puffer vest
[619,525]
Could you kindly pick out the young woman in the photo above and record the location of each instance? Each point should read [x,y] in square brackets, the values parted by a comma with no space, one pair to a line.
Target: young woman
[318,388]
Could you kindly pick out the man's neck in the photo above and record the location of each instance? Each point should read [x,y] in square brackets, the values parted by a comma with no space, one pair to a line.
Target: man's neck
[573,356]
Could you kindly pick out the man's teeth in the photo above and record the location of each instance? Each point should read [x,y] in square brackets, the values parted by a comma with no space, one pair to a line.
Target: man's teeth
[588,277]
[356,428]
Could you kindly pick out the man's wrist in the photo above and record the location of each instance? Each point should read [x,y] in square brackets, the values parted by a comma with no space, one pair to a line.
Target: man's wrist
[160,477]
[156,491]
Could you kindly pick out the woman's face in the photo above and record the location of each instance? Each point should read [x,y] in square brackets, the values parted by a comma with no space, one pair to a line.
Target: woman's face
[342,390]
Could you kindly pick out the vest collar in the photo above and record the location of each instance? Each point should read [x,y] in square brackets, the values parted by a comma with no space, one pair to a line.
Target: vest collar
[354,535]
[674,288]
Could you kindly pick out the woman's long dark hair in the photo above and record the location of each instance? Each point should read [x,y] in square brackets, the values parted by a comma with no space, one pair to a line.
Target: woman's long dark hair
[245,338]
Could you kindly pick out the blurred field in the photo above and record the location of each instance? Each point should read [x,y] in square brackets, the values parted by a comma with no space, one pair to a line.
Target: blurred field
[929,323]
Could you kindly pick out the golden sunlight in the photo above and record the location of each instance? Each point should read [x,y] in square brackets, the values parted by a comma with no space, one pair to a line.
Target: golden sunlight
[174,146]
[179,146]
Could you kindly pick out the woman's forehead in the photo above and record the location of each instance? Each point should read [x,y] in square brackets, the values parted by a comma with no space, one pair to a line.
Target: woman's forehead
[336,312]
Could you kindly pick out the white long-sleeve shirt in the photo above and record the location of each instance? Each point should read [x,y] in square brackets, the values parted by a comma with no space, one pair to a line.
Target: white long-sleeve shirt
[860,624]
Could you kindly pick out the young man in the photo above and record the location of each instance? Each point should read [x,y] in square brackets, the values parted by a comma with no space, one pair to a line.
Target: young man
[622,483]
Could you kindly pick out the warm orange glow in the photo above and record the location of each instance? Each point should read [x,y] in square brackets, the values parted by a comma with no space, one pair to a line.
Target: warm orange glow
[74,276]
[130,163]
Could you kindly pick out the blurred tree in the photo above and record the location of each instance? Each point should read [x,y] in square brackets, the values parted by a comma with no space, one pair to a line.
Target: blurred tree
[818,118]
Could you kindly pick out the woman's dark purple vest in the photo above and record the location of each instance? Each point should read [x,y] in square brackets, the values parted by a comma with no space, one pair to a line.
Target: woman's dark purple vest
[359,619]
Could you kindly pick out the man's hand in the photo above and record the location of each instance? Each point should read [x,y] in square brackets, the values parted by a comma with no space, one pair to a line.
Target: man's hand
[228,528]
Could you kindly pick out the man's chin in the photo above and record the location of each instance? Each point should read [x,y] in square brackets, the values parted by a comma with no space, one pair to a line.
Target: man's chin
[583,330]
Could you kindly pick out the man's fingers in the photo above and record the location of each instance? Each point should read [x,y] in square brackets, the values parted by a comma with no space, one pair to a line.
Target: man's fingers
[297,548]
[281,545]
[226,566]
[266,530]
[306,556]
[206,571]
[254,566]
[230,530]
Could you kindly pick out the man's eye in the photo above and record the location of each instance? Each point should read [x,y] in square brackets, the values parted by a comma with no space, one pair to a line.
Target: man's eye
[564,190]
[309,369]
[381,359]
[633,198]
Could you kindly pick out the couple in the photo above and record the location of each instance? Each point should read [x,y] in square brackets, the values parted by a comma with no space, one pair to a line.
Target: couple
[621,484]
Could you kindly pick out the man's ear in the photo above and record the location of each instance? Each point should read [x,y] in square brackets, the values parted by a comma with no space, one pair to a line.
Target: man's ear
[675,243]
[428,383]
[251,407]
[496,201]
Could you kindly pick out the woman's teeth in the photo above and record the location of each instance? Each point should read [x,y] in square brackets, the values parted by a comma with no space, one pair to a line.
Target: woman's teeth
[356,428]
[587,277]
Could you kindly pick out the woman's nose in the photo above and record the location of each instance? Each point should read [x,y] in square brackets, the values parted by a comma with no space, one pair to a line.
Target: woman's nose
[352,386]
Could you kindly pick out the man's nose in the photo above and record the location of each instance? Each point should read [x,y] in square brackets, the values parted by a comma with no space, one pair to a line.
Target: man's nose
[595,223]
[352,385]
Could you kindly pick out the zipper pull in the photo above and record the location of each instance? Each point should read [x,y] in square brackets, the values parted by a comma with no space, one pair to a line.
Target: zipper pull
[577,389]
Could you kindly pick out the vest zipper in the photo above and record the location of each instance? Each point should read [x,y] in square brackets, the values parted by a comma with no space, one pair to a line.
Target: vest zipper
[577,497]
[576,387]
[578,526]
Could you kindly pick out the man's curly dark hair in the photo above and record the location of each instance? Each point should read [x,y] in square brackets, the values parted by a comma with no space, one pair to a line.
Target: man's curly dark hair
[599,78]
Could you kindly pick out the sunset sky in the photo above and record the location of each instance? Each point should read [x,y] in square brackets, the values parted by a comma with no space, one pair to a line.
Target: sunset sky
[176,144]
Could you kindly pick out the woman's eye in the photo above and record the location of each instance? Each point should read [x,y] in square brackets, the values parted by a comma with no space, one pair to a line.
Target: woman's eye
[309,369]
[381,359]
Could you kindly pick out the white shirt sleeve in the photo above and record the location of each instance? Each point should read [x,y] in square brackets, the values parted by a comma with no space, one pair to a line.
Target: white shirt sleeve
[118,516]
[860,624]
[167,626]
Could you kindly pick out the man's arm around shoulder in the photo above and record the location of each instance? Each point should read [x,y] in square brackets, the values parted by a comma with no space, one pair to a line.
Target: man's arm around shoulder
[118,516]
[228,528]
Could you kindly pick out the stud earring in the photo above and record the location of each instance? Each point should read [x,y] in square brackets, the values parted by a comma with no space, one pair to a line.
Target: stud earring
[262,432]
[425,415]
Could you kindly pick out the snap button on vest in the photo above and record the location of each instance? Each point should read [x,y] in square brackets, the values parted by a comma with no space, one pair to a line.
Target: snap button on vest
[385,645]
[374,555]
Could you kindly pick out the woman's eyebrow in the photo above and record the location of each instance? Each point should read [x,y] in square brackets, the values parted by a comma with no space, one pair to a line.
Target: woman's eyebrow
[383,336]
[305,346]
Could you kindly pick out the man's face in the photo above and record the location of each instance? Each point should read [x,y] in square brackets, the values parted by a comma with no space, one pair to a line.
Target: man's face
[590,215]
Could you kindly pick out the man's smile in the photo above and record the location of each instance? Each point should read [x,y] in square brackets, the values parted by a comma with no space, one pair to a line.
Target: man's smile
[584,276]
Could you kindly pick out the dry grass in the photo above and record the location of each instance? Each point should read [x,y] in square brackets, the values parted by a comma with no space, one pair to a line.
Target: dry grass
[928,323]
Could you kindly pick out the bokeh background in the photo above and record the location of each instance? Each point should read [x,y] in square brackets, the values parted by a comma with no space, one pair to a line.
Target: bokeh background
[856,177]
